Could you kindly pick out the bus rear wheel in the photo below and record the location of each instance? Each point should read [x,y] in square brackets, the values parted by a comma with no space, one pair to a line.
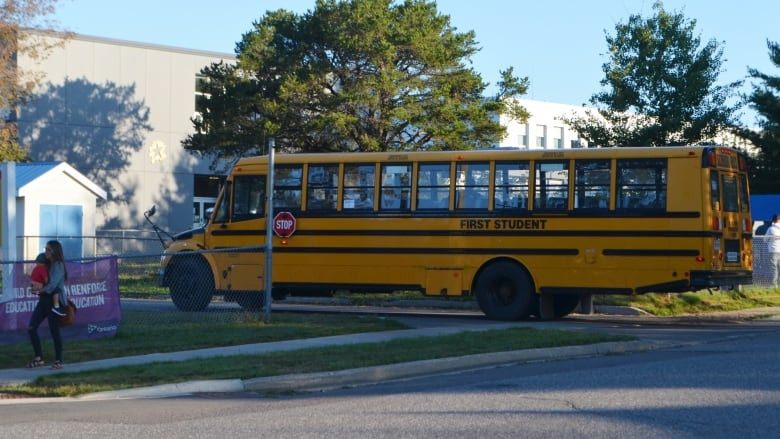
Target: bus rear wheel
[565,304]
[191,283]
[504,292]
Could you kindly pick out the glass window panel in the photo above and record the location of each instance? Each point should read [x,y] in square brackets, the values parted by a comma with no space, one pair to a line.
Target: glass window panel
[511,186]
[433,186]
[287,188]
[641,184]
[472,185]
[551,190]
[323,187]
[359,186]
[395,193]
[592,184]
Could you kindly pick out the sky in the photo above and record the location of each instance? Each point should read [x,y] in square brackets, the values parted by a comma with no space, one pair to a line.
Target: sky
[558,44]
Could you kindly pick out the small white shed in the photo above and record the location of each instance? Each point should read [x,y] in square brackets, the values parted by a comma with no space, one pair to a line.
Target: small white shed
[55,201]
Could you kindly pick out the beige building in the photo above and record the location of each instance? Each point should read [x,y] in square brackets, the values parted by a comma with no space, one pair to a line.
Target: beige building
[117,112]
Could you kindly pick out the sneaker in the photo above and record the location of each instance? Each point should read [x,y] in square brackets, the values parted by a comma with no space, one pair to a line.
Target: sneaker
[57,310]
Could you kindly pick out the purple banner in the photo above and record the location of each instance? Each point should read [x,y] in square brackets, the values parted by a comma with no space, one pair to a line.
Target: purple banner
[92,285]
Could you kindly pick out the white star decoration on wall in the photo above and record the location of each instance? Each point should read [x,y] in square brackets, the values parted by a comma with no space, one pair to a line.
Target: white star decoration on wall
[157,151]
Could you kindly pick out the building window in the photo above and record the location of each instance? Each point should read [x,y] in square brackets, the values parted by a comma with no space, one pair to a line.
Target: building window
[557,137]
[522,139]
[204,197]
[201,97]
[541,136]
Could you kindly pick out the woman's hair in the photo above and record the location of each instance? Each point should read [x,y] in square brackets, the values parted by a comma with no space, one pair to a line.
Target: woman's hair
[57,255]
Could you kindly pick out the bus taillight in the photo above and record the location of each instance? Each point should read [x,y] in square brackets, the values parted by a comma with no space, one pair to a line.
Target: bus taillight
[699,258]
[747,226]
[709,158]
[716,223]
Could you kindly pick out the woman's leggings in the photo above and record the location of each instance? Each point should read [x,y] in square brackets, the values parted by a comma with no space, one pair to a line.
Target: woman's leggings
[43,311]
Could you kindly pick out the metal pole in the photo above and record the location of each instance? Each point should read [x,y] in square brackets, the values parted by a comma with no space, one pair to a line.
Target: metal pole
[269,234]
[8,251]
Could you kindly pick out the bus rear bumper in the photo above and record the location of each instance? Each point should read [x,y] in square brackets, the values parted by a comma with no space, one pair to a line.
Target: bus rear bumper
[725,279]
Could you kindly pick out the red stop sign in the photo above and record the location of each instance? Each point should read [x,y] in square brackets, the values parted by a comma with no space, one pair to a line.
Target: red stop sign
[284,224]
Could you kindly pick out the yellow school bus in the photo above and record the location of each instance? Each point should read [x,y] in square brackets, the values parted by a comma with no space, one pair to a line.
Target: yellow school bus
[525,232]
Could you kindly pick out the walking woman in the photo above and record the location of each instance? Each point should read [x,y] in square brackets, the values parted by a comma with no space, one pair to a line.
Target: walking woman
[58,274]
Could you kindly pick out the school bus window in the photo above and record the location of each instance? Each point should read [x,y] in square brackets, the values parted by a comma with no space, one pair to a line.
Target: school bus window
[744,199]
[472,184]
[552,185]
[714,190]
[223,209]
[729,185]
[359,186]
[511,186]
[248,197]
[591,184]
[287,187]
[433,186]
[641,184]
[396,187]
[322,187]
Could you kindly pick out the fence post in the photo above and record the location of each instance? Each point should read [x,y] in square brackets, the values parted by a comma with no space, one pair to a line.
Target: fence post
[269,235]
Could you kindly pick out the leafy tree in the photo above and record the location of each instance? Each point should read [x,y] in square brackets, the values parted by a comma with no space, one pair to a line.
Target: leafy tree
[357,75]
[24,31]
[765,99]
[660,86]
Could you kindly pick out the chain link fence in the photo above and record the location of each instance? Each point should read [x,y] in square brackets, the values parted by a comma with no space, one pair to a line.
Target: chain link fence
[762,276]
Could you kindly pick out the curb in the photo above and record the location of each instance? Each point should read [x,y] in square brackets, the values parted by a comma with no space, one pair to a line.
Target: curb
[470,305]
[374,374]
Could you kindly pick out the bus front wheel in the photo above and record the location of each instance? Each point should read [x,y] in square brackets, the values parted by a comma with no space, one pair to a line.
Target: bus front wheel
[504,292]
[251,301]
[191,283]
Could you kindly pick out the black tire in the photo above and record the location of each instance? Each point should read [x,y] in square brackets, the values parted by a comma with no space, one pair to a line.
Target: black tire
[564,304]
[251,301]
[504,292]
[191,283]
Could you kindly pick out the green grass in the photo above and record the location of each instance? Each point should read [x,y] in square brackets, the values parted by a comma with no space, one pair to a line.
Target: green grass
[143,332]
[139,279]
[696,303]
[306,360]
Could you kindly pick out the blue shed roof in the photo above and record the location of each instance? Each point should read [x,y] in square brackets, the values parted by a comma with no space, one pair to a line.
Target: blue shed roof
[762,207]
[27,172]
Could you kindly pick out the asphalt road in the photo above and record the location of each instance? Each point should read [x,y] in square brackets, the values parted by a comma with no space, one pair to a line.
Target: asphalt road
[721,380]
